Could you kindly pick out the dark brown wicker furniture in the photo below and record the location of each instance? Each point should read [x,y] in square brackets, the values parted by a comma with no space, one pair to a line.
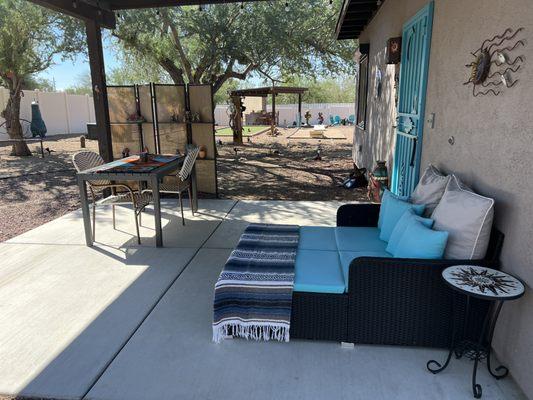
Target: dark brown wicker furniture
[390,301]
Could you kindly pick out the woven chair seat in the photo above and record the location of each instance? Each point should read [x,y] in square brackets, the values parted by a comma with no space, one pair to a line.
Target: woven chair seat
[173,187]
[141,200]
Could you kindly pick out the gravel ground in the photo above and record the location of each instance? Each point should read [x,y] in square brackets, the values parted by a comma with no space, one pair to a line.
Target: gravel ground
[36,190]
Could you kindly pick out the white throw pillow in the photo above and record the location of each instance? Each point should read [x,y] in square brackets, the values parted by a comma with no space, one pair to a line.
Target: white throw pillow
[467,217]
[430,189]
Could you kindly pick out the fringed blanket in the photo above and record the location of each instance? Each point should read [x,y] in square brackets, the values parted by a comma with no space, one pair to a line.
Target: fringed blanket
[253,295]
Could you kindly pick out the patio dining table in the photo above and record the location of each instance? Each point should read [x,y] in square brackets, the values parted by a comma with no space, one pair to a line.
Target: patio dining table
[134,169]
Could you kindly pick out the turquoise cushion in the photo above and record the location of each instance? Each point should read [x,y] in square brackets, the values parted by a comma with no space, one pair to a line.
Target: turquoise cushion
[387,194]
[358,239]
[401,226]
[318,271]
[419,241]
[392,214]
[347,257]
[317,238]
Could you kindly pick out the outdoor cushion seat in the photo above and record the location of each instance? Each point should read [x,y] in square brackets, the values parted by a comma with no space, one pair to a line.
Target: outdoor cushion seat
[317,238]
[359,239]
[346,257]
[318,271]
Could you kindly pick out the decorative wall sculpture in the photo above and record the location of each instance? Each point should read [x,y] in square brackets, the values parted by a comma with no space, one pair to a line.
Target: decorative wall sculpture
[494,65]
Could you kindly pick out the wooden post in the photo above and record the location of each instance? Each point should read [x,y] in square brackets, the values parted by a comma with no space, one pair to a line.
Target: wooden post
[299,110]
[273,119]
[101,107]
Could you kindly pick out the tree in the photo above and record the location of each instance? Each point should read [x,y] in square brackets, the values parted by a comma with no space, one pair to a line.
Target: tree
[83,86]
[231,41]
[135,70]
[339,89]
[32,82]
[30,38]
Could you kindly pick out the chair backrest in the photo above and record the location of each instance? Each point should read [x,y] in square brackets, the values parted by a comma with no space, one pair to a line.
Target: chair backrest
[84,160]
[188,164]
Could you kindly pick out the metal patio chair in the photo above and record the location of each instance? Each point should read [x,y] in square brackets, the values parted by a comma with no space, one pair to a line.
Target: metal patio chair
[84,160]
[183,179]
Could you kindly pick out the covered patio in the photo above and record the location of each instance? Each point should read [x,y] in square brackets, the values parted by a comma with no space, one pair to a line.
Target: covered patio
[119,320]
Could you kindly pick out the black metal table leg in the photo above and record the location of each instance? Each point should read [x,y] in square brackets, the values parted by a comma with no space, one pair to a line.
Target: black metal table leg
[479,352]
[489,346]
[439,367]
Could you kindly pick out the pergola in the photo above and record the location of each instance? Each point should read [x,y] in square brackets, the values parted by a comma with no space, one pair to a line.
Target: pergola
[101,14]
[264,92]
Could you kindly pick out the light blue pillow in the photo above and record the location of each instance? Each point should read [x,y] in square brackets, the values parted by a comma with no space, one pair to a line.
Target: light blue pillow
[387,194]
[419,241]
[401,226]
[392,214]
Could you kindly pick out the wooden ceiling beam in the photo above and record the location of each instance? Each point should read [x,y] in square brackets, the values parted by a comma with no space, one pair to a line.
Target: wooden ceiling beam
[82,10]
[131,4]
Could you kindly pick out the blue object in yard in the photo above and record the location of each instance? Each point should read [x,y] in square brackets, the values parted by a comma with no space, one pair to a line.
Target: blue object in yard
[38,127]
[337,120]
[351,119]
[331,120]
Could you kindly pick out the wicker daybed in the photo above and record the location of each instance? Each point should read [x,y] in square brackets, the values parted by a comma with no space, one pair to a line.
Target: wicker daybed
[389,301]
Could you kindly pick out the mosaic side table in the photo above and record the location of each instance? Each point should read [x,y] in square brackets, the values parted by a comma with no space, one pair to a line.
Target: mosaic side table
[485,284]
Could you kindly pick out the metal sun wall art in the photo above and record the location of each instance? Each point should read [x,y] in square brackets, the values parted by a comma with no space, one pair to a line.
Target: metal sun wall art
[495,51]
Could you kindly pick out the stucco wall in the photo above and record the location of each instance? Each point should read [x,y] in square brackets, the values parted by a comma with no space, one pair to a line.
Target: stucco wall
[376,142]
[493,148]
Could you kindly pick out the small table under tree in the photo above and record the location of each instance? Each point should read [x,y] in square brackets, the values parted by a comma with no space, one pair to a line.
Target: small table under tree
[485,284]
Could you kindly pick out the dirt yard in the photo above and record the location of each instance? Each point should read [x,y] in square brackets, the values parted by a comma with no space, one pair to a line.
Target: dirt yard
[36,190]
[285,167]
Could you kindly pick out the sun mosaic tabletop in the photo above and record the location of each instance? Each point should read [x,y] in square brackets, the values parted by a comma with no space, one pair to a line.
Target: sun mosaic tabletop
[483,282]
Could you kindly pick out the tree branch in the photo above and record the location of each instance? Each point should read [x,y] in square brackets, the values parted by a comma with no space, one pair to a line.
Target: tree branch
[177,44]
[229,73]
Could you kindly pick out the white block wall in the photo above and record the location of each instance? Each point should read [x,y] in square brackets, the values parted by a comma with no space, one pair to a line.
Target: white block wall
[62,113]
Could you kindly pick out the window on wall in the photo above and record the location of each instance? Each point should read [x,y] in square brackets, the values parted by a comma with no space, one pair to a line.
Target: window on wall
[362,94]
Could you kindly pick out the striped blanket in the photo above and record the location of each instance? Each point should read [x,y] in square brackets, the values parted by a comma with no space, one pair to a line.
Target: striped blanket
[253,295]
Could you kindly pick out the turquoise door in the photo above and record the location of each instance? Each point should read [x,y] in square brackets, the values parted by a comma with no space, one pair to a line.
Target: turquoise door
[416,40]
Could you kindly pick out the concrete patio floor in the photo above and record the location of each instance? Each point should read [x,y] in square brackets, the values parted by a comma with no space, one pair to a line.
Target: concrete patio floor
[123,321]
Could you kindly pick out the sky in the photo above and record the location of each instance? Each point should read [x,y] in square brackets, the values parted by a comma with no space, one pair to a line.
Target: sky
[66,73]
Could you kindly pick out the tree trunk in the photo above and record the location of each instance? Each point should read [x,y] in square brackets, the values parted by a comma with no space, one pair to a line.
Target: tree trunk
[13,126]
[236,120]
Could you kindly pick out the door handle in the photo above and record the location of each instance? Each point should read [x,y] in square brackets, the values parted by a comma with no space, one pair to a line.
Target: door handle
[413,153]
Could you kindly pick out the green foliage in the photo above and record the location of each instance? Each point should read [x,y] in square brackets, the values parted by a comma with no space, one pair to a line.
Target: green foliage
[83,85]
[37,83]
[30,37]
[222,96]
[136,70]
[326,90]
[228,41]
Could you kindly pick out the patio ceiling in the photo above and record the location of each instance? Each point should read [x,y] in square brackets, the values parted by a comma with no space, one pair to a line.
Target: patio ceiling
[354,16]
[103,12]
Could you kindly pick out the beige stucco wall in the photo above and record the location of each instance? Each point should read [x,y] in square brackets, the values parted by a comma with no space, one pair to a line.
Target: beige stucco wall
[493,150]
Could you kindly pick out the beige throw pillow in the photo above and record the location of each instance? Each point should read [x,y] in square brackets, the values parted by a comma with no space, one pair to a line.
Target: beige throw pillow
[467,217]
[430,189]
